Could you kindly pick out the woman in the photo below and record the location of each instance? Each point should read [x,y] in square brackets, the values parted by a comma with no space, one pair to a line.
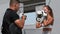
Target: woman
[46,22]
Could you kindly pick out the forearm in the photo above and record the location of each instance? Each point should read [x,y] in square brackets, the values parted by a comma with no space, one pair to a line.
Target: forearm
[48,21]
[19,23]
[22,21]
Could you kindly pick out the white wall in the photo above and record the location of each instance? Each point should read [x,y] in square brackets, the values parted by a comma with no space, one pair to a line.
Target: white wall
[55,5]
[3,6]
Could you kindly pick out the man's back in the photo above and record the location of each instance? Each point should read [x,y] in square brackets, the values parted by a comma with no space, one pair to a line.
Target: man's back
[9,17]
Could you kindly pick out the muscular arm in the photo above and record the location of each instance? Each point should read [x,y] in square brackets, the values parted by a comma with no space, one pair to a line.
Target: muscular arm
[20,23]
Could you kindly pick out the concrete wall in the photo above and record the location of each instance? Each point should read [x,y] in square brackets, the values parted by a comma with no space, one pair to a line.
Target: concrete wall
[3,6]
[55,5]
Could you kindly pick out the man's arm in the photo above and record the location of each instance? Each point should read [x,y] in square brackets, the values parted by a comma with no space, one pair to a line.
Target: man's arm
[20,23]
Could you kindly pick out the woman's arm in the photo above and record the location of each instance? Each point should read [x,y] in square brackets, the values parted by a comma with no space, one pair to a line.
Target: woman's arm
[48,21]
[45,22]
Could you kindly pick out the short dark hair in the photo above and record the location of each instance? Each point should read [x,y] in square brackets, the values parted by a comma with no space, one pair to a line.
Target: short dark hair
[14,1]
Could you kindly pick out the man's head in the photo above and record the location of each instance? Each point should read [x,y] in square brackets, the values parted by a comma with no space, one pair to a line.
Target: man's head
[14,4]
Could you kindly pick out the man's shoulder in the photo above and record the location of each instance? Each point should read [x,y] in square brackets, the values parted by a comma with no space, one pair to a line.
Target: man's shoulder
[9,11]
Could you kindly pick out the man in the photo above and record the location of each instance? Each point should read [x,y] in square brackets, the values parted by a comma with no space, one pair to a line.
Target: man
[10,17]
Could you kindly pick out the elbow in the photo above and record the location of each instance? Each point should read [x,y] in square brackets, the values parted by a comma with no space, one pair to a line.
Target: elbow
[19,24]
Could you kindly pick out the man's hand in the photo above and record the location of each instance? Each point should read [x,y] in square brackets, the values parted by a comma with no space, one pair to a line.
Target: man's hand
[24,17]
[38,25]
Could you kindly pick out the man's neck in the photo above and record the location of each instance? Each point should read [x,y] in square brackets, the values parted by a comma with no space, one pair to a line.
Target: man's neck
[12,8]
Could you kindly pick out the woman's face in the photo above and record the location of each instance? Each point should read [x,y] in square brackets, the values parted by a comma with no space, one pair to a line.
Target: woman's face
[45,9]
